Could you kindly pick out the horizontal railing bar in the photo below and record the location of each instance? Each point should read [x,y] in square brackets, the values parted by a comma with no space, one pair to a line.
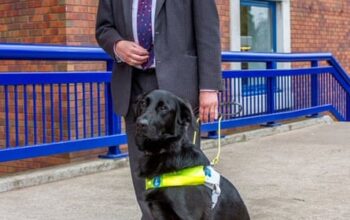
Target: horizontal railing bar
[57,52]
[20,78]
[51,52]
[340,70]
[228,56]
[275,72]
[60,147]
[232,123]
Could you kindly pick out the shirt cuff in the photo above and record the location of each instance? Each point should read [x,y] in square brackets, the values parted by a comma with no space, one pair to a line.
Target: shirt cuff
[116,56]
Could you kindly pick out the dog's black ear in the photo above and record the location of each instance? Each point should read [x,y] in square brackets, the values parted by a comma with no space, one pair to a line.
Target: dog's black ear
[185,113]
[136,106]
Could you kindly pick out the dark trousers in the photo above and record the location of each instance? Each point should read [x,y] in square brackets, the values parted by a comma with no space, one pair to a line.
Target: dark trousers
[142,82]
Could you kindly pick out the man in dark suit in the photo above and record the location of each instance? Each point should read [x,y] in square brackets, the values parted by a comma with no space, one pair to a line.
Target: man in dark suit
[161,44]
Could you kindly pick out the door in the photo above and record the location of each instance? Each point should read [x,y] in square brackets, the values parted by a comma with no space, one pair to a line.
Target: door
[258,34]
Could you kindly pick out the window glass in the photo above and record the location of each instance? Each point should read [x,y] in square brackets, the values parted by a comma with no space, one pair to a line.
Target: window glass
[257,35]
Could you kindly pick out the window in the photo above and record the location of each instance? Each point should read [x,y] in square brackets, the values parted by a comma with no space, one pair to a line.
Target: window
[258,26]
[258,34]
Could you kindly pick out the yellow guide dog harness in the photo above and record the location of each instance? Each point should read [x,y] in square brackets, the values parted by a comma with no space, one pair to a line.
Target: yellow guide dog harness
[191,176]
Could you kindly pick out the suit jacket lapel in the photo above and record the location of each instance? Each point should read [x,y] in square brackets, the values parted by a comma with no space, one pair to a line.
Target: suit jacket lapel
[159,6]
[127,10]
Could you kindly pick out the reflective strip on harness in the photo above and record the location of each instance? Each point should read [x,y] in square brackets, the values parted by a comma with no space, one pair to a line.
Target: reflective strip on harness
[186,177]
[191,176]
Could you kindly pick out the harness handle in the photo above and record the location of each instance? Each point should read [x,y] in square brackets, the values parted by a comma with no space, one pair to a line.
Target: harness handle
[217,157]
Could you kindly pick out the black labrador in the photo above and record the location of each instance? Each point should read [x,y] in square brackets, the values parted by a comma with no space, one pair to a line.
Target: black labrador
[162,120]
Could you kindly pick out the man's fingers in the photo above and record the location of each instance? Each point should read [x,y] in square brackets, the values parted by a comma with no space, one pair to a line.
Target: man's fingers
[138,50]
[139,59]
[130,62]
[205,114]
[201,114]
[131,53]
[212,113]
[208,113]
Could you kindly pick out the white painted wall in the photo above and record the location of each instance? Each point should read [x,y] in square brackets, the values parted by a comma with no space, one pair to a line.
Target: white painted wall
[283,26]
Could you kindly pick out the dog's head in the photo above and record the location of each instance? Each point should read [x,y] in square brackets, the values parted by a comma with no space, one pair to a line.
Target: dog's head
[161,119]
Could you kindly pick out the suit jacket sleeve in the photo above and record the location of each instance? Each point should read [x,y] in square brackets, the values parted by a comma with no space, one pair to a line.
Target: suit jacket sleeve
[207,33]
[106,33]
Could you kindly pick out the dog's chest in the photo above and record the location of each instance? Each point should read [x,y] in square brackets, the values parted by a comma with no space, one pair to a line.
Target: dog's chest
[178,201]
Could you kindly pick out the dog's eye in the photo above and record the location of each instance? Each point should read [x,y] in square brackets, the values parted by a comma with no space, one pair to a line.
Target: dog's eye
[143,104]
[163,108]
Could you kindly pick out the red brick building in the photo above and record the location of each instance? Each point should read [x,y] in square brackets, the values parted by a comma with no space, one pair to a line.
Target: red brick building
[248,25]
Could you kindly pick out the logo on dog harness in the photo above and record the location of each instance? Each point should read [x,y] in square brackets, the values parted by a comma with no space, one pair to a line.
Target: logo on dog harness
[192,176]
[157,181]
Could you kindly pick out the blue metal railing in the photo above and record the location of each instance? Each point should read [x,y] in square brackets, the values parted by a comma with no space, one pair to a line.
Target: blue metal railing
[271,94]
[62,111]
[45,113]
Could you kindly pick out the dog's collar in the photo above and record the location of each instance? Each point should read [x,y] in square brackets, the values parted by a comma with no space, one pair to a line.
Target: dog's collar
[191,176]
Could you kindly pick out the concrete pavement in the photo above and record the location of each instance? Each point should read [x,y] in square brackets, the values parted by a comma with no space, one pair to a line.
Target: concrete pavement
[302,174]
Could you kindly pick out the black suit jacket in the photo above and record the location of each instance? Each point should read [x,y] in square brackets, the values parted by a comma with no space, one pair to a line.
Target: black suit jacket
[187,46]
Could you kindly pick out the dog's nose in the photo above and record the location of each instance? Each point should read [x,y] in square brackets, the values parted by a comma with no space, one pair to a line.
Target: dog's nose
[142,124]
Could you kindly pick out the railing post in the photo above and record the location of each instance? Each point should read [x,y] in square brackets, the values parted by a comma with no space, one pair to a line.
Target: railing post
[113,123]
[270,93]
[314,89]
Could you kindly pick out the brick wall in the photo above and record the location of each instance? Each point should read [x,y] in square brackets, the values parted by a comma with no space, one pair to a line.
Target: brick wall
[32,21]
[322,26]
[80,30]
[224,13]
[223,7]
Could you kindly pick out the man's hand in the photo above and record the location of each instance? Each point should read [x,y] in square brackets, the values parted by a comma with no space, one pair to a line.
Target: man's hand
[131,53]
[208,106]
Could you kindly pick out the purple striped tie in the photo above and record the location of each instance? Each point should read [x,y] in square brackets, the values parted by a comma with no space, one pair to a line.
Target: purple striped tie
[144,29]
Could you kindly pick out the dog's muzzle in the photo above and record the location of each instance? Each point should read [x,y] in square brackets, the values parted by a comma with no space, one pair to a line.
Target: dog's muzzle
[142,125]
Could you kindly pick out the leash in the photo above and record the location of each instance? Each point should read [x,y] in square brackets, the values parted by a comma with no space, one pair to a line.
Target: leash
[195,133]
[217,157]
[233,103]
